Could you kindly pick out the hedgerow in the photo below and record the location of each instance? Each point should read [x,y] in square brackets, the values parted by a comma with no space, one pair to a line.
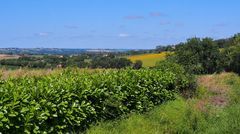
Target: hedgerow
[71,101]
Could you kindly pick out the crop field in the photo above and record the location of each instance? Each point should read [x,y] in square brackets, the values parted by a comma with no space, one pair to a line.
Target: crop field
[149,60]
[72,100]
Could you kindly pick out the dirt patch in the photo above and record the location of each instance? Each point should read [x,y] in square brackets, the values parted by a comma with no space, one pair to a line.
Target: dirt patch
[217,91]
[220,101]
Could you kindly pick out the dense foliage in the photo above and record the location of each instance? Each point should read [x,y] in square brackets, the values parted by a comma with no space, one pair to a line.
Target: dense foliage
[207,56]
[71,101]
[109,62]
[138,64]
[167,66]
[198,56]
[231,59]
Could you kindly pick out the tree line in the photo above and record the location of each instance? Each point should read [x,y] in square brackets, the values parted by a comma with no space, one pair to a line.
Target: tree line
[80,61]
[206,55]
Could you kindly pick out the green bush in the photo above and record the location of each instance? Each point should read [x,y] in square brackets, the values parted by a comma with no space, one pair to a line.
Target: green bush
[170,67]
[231,59]
[186,80]
[138,64]
[71,101]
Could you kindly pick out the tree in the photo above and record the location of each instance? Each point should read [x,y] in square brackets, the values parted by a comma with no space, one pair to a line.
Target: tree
[236,39]
[110,62]
[198,56]
[232,59]
[210,56]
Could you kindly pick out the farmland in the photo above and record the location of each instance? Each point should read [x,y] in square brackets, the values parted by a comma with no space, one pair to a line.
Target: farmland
[107,96]
[72,100]
[6,56]
[119,67]
[149,60]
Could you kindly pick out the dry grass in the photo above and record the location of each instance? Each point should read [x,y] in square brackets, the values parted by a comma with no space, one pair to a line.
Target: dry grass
[217,88]
[6,56]
[214,83]
[5,74]
[26,72]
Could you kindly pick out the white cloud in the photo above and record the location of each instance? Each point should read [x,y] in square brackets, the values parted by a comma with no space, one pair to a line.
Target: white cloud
[123,35]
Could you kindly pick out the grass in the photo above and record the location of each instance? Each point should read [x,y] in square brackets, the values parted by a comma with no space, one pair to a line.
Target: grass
[200,114]
[173,117]
[169,113]
[149,60]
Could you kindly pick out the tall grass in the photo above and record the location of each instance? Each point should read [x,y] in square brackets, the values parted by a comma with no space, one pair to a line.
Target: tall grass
[24,72]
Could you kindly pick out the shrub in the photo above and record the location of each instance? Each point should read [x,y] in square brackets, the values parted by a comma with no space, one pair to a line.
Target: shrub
[138,64]
[185,80]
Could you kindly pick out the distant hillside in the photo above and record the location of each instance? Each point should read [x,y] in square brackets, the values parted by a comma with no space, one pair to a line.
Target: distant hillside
[57,51]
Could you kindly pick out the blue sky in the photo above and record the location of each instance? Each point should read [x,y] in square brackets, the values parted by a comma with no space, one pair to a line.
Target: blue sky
[114,23]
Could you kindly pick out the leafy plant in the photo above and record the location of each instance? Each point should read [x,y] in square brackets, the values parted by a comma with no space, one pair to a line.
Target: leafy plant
[72,100]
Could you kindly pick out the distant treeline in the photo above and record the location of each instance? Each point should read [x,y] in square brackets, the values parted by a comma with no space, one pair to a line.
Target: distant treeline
[220,43]
[62,61]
